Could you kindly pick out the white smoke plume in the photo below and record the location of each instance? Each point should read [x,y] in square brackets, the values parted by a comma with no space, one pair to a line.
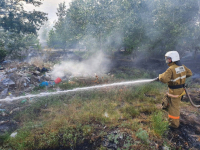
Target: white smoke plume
[97,64]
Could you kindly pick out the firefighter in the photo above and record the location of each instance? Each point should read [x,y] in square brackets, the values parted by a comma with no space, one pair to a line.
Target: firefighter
[175,77]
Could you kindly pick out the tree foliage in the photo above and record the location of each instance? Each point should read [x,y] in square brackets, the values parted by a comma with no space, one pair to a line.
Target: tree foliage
[2,51]
[18,28]
[15,19]
[44,31]
[156,26]
[16,45]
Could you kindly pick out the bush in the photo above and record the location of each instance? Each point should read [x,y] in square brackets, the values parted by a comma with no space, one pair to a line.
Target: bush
[160,126]
[3,52]
[142,135]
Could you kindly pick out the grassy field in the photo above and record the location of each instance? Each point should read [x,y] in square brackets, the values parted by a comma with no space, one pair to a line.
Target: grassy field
[128,116]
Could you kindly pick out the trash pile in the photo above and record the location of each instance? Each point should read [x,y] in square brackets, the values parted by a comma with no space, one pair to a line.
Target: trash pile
[17,78]
[21,78]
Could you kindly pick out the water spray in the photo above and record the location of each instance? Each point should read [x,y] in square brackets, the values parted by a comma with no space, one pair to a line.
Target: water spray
[92,87]
[79,89]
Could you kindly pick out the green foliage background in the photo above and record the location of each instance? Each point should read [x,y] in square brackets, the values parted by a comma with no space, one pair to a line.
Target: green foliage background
[136,25]
[2,51]
[18,28]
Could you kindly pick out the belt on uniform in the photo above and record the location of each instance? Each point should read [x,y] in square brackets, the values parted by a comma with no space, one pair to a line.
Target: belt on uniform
[177,86]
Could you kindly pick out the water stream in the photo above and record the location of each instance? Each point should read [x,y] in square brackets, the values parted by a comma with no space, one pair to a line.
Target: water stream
[77,89]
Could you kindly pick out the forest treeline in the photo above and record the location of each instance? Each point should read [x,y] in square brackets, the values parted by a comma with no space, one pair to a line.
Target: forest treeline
[18,27]
[155,26]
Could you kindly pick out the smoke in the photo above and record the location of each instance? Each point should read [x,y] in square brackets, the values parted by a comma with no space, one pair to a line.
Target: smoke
[43,32]
[96,65]
[148,29]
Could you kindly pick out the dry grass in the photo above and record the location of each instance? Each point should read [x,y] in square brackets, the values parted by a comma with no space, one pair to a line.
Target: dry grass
[77,117]
[39,62]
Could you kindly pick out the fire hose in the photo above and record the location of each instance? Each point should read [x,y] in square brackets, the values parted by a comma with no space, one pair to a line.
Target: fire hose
[176,96]
[197,106]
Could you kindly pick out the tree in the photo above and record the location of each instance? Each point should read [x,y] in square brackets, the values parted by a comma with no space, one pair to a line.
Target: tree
[2,51]
[153,26]
[52,40]
[15,19]
[19,27]
[44,31]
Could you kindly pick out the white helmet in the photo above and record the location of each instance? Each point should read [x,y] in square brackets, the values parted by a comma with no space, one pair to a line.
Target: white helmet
[174,55]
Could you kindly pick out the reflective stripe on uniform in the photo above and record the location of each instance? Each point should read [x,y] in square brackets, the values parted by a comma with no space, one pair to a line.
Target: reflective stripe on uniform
[173,117]
[178,78]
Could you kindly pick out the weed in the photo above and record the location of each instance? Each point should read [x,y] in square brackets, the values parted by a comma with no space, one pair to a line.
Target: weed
[4,137]
[102,148]
[33,111]
[160,126]
[87,130]
[68,85]
[135,125]
[37,88]
[128,143]
[114,137]
[102,133]
[189,82]
[47,139]
[20,141]
[71,136]
[142,135]
[130,111]
[132,73]
[139,92]
[166,146]
[147,108]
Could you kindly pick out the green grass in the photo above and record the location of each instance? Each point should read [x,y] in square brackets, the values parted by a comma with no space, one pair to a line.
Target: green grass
[130,111]
[191,83]
[70,119]
[130,73]
[66,85]
[4,137]
[20,141]
[37,88]
[160,125]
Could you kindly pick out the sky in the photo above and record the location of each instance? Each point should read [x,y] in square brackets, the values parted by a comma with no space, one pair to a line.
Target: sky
[48,6]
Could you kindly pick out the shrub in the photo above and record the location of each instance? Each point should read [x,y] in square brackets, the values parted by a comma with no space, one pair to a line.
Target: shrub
[160,126]
[142,135]
[3,52]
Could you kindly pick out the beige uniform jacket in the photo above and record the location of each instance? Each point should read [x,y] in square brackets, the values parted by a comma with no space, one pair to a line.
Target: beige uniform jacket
[175,75]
